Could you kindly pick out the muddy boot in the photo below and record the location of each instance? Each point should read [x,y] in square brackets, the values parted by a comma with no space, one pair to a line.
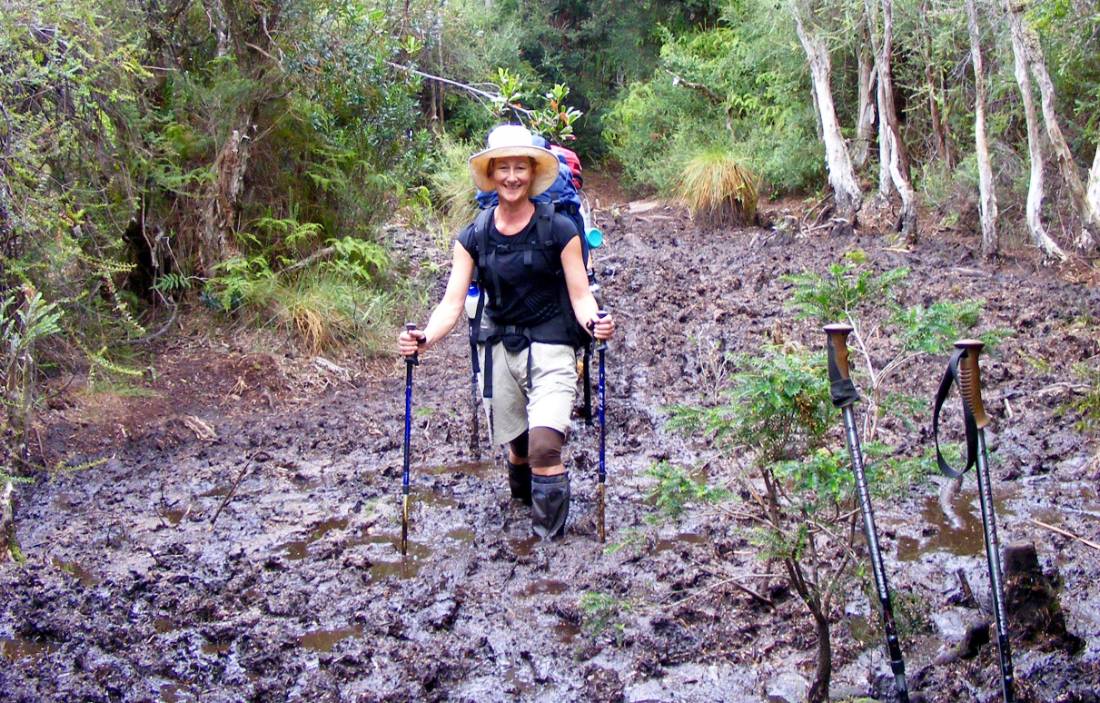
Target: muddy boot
[519,480]
[550,497]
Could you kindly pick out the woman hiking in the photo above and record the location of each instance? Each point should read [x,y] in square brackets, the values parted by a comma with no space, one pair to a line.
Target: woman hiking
[537,304]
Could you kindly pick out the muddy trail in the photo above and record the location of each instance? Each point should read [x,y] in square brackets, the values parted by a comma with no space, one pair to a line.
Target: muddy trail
[219,555]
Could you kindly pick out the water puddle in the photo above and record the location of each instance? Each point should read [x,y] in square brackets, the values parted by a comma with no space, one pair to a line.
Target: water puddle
[425,497]
[402,567]
[174,517]
[463,535]
[23,648]
[547,587]
[215,648]
[566,632]
[325,640]
[218,491]
[680,540]
[173,693]
[480,469]
[964,539]
[523,547]
[299,549]
[75,569]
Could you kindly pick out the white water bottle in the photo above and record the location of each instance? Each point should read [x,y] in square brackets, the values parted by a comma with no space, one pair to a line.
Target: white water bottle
[473,294]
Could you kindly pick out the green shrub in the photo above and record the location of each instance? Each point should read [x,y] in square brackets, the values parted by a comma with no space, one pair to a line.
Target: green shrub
[675,490]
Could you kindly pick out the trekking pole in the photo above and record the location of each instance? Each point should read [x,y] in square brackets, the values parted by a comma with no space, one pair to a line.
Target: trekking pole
[963,369]
[844,396]
[410,362]
[601,347]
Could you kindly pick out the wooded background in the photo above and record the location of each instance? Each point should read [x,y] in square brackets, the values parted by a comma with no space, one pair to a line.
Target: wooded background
[246,154]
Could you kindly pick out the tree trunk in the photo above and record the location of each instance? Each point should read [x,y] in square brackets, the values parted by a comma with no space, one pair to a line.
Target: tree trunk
[987,194]
[219,25]
[1036,190]
[1090,217]
[893,171]
[940,136]
[865,114]
[7,522]
[222,198]
[1094,180]
[819,690]
[841,175]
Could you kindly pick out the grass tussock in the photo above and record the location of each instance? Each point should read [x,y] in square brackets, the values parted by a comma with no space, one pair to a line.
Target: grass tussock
[718,190]
[452,188]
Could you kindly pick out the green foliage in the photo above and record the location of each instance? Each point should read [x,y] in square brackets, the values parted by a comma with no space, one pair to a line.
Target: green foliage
[845,290]
[602,612]
[675,490]
[737,86]
[452,188]
[26,320]
[778,404]
[821,479]
[1087,404]
[932,329]
[718,190]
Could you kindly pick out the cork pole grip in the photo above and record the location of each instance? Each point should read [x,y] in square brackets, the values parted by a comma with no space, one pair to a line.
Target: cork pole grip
[970,380]
[838,343]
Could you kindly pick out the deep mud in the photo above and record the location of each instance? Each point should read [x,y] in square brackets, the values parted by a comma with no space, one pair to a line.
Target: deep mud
[132,591]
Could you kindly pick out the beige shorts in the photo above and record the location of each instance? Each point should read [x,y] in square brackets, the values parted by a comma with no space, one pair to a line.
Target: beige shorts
[548,403]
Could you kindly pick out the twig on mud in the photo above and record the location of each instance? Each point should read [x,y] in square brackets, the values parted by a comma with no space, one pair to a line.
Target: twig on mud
[233,489]
[1090,513]
[1065,533]
[732,581]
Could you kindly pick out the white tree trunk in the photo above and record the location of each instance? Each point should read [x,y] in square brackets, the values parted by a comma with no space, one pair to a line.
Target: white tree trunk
[1036,189]
[7,522]
[1090,216]
[888,115]
[842,177]
[987,194]
[865,114]
[1094,180]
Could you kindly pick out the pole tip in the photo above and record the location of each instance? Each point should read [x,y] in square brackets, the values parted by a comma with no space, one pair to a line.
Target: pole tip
[410,326]
[838,328]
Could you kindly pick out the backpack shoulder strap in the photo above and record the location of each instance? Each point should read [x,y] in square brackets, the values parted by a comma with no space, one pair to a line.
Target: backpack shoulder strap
[481,238]
[544,223]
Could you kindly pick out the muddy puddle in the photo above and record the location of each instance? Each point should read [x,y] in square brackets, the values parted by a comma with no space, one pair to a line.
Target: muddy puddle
[299,591]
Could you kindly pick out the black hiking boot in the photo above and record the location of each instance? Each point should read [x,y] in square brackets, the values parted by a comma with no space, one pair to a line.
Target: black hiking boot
[550,509]
[519,480]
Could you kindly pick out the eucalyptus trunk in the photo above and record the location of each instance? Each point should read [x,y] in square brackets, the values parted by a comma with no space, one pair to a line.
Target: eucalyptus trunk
[1067,167]
[842,177]
[1036,190]
[987,194]
[865,113]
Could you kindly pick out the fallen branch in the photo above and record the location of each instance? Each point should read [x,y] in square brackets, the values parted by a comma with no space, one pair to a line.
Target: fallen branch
[233,489]
[1065,533]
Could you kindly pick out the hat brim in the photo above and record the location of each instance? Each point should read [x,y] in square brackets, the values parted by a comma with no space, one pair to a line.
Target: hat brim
[546,166]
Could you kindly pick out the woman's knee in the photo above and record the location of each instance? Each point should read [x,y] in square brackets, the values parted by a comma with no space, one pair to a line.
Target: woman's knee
[545,445]
[519,447]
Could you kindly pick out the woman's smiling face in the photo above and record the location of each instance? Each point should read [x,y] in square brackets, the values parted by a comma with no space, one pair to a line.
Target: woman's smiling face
[512,176]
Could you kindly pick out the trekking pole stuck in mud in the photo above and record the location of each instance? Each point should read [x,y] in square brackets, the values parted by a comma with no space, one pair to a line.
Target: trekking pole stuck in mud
[963,370]
[601,390]
[410,362]
[844,396]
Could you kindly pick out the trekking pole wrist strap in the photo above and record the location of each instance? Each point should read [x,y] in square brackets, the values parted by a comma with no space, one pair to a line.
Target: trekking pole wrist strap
[951,376]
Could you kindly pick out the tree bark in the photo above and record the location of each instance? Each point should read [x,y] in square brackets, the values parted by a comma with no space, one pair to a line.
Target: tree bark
[222,200]
[7,522]
[819,689]
[893,170]
[1094,180]
[865,114]
[987,194]
[940,136]
[841,175]
[1090,216]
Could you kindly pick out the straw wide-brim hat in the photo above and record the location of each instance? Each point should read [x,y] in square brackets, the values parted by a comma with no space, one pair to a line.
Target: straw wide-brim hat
[514,140]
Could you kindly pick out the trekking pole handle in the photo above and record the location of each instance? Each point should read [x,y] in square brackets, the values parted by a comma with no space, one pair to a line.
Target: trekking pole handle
[413,360]
[970,379]
[838,348]
[842,391]
[601,344]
